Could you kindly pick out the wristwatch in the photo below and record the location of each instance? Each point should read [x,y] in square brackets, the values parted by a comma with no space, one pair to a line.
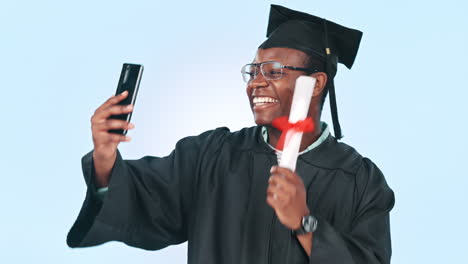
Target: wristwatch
[309,225]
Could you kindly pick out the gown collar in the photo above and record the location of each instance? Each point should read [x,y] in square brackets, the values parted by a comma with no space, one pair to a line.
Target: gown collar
[323,136]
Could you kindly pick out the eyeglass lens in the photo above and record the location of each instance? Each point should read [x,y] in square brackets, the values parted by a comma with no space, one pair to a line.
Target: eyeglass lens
[271,70]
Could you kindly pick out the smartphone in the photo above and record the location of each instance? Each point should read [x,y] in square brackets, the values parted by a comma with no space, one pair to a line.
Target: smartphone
[129,81]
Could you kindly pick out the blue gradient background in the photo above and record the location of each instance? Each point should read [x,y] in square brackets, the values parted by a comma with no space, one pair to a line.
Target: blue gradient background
[403,105]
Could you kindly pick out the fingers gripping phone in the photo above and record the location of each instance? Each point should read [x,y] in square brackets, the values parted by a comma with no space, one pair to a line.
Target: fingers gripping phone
[129,81]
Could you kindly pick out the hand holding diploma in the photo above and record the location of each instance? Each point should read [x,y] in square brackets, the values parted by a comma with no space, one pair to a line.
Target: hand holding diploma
[286,193]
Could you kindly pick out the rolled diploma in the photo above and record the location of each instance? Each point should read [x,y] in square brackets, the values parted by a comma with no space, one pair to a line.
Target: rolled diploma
[299,108]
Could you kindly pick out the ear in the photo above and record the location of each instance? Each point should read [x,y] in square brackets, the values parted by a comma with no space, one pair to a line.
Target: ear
[321,82]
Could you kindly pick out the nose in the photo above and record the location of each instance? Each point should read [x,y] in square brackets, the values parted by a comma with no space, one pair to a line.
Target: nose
[258,82]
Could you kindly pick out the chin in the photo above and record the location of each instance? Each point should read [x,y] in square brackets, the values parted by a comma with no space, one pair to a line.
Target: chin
[259,123]
[265,118]
[262,121]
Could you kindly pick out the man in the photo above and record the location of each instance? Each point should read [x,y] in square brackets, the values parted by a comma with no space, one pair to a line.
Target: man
[223,192]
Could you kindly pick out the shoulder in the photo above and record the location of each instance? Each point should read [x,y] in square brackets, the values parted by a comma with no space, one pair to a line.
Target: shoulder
[349,159]
[244,139]
[335,155]
[219,137]
[370,182]
[367,176]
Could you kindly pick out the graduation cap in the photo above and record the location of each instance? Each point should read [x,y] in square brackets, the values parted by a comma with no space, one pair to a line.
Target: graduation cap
[317,37]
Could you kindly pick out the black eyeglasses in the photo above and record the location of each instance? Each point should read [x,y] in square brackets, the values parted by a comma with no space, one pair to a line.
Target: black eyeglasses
[271,70]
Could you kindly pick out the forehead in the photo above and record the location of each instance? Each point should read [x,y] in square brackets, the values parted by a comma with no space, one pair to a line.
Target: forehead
[286,56]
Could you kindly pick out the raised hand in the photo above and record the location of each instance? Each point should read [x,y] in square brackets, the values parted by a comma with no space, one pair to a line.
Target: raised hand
[105,143]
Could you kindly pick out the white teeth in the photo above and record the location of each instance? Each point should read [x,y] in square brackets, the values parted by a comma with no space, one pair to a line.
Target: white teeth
[264,100]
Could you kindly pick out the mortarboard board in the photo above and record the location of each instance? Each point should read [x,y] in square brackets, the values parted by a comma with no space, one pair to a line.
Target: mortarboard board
[317,37]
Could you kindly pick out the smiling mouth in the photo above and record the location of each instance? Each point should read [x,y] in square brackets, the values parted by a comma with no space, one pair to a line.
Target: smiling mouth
[263,101]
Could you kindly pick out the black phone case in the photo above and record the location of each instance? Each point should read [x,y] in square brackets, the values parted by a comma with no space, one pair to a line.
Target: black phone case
[129,81]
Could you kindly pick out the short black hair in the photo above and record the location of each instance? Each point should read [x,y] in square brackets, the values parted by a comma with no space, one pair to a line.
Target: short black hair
[318,63]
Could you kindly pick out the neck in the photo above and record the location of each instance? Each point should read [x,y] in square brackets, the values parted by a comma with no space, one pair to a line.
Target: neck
[307,138]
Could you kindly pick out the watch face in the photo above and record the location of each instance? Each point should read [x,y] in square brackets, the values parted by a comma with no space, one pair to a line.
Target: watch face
[307,223]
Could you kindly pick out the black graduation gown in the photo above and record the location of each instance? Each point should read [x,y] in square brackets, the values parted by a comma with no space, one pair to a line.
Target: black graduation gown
[211,192]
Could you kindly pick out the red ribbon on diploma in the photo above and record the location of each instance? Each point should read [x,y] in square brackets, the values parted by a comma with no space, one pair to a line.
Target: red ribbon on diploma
[283,125]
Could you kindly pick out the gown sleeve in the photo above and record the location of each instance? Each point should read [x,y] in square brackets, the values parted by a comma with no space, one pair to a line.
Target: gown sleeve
[148,200]
[368,238]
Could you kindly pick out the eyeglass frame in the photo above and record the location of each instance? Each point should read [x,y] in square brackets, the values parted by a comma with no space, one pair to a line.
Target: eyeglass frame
[308,70]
